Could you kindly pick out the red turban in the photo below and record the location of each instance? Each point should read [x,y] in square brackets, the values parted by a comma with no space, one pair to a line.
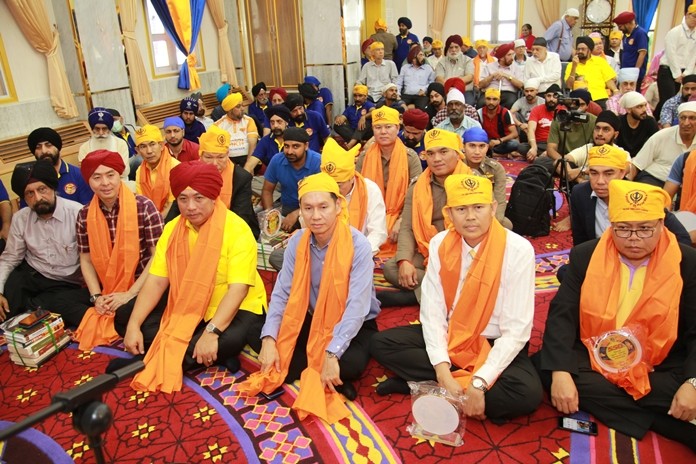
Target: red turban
[416,118]
[278,91]
[98,158]
[365,44]
[453,39]
[413,53]
[503,50]
[202,177]
[455,82]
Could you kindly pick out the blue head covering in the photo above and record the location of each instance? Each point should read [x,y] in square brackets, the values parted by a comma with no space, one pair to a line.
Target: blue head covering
[475,134]
[222,92]
[312,80]
[173,121]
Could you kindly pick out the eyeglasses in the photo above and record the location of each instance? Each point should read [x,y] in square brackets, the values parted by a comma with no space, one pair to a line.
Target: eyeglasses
[643,232]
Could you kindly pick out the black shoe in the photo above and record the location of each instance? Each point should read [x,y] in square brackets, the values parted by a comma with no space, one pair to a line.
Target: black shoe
[232,364]
[399,298]
[347,390]
[393,385]
[118,363]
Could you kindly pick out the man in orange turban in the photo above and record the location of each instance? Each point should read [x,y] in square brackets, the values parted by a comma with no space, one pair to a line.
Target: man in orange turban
[619,340]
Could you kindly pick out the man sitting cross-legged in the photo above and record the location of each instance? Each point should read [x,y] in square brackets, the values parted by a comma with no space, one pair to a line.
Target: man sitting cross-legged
[476,313]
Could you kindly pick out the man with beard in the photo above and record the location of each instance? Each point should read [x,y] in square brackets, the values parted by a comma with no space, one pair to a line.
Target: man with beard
[635,43]
[311,121]
[271,144]
[243,132]
[404,42]
[524,105]
[636,125]
[627,78]
[503,76]
[311,99]
[180,148]
[377,73]
[45,143]
[456,120]
[499,125]
[653,162]
[594,71]
[539,125]
[414,79]
[457,64]
[544,65]
[668,115]
[41,259]
[437,106]
[352,124]
[101,122]
[325,96]
[390,98]
[193,127]
[257,108]
[415,122]
[298,161]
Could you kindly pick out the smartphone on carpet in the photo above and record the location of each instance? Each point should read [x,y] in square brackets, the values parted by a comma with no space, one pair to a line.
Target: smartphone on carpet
[272,395]
[577,425]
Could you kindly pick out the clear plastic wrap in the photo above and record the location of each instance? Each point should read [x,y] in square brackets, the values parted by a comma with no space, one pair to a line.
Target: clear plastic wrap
[617,351]
[438,416]
[270,221]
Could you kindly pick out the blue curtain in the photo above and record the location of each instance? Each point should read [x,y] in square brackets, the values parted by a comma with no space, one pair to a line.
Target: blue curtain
[645,12]
[197,7]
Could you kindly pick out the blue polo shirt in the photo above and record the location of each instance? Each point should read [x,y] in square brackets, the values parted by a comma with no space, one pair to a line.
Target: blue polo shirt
[403,46]
[266,149]
[354,113]
[257,112]
[317,106]
[325,95]
[632,44]
[280,171]
[71,185]
[316,128]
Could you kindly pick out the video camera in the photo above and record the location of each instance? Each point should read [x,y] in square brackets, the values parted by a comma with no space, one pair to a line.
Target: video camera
[571,114]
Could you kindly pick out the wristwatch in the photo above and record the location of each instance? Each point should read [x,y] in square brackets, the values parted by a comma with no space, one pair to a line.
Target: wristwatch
[93,298]
[691,381]
[210,328]
[479,384]
[330,354]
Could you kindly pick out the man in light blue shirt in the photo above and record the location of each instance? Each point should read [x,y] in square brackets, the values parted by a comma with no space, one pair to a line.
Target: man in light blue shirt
[559,35]
[414,79]
[456,120]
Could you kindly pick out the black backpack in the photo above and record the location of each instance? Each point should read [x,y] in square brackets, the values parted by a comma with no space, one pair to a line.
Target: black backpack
[531,198]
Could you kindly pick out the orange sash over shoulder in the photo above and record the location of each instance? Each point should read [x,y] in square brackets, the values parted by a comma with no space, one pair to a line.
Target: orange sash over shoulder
[422,209]
[226,192]
[191,284]
[328,311]
[115,264]
[357,208]
[157,189]
[395,192]
[657,309]
[466,347]
[688,193]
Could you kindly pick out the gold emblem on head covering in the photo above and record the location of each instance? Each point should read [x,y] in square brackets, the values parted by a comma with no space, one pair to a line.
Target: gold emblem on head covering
[636,197]
[470,183]
[329,168]
[140,131]
[380,114]
[221,139]
[435,133]
[604,150]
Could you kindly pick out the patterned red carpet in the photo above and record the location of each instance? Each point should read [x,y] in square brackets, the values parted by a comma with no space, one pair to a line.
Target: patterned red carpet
[208,422]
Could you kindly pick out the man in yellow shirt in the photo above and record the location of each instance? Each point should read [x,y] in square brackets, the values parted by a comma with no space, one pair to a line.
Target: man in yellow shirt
[594,71]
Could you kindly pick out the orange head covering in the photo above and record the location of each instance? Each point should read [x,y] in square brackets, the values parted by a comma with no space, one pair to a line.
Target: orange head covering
[201,177]
[101,157]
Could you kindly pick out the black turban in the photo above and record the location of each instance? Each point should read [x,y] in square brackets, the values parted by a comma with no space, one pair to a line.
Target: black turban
[44,134]
[34,171]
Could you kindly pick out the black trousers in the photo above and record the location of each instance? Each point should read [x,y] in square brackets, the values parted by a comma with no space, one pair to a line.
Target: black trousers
[244,329]
[517,391]
[353,361]
[647,178]
[667,87]
[26,289]
[347,133]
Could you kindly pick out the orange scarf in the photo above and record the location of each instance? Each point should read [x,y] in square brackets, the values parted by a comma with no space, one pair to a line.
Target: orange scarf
[477,67]
[657,309]
[191,284]
[422,210]
[116,271]
[397,186]
[157,189]
[328,311]
[226,192]
[688,193]
[357,208]
[466,347]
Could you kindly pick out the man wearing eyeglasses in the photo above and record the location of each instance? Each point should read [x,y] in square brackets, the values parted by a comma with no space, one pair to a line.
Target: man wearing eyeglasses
[620,338]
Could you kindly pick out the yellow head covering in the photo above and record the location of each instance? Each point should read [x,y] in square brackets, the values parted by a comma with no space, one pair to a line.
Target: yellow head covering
[360,89]
[438,44]
[380,24]
[375,45]
[481,43]
[337,162]
[442,138]
[467,41]
[616,35]
[607,155]
[493,92]
[691,9]
[214,140]
[635,201]
[465,189]
[322,182]
[231,101]
[148,133]
[385,115]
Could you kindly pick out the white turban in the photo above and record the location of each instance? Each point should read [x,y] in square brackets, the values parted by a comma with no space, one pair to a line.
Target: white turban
[532,83]
[628,75]
[455,95]
[688,106]
[632,99]
[572,12]
[520,43]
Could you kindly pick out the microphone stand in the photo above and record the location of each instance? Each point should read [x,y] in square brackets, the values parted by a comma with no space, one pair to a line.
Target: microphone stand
[91,416]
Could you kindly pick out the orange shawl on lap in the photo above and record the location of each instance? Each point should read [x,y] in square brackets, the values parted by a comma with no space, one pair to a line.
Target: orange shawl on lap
[115,264]
[657,309]
[157,189]
[395,192]
[328,311]
[191,284]
[226,192]
[466,347]
[357,208]
[422,209]
[688,193]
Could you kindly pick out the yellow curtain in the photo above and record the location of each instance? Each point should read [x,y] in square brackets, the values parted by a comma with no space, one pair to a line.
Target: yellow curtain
[679,7]
[439,11]
[549,11]
[140,86]
[180,11]
[227,71]
[32,19]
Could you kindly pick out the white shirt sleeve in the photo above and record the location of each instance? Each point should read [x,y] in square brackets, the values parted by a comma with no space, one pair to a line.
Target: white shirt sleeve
[433,310]
[375,228]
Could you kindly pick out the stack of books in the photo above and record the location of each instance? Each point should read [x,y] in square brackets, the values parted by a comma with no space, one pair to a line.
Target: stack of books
[264,249]
[34,346]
